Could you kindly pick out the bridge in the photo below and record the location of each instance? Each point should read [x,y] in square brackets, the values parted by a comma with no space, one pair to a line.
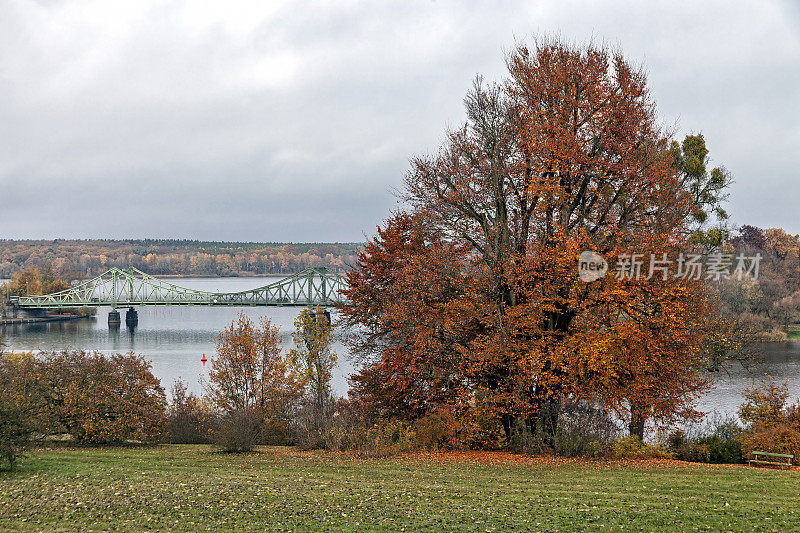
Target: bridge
[133,288]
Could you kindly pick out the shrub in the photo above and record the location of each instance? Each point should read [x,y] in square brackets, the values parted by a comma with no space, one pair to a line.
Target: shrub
[779,438]
[583,431]
[240,430]
[632,447]
[436,430]
[724,445]
[772,426]
[102,399]
[189,419]
[20,403]
[348,427]
[719,442]
[312,423]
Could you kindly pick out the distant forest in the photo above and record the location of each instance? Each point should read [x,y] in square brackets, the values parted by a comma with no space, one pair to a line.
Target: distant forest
[75,259]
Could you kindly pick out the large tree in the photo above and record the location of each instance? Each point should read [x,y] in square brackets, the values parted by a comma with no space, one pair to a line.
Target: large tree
[476,292]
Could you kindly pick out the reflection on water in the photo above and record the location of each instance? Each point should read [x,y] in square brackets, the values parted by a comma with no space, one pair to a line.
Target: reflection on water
[173,338]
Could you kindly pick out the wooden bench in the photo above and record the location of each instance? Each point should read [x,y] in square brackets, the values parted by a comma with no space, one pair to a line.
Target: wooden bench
[768,458]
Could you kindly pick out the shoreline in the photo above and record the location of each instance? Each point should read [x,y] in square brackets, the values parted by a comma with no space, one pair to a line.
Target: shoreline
[36,320]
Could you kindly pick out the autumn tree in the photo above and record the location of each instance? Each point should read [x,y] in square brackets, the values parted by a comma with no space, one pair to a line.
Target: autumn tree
[249,370]
[781,243]
[313,352]
[476,291]
[101,399]
[34,280]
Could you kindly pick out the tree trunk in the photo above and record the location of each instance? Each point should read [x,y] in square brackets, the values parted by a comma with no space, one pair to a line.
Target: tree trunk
[508,426]
[638,418]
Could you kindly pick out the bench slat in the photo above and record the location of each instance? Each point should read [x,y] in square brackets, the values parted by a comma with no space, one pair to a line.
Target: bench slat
[768,463]
[774,454]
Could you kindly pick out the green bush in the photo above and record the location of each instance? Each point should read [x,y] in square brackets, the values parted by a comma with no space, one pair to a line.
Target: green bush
[717,442]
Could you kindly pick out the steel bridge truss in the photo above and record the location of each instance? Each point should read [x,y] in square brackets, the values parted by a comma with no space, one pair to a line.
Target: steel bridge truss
[131,287]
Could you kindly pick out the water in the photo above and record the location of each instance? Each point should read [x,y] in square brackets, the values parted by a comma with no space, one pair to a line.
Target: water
[779,361]
[175,338]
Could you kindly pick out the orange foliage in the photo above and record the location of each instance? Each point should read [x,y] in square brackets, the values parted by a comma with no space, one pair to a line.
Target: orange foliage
[104,399]
[249,371]
[473,299]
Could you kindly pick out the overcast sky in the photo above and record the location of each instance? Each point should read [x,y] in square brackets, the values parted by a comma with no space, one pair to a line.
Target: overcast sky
[294,121]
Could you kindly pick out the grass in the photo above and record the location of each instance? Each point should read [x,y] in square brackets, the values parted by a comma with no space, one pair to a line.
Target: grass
[194,488]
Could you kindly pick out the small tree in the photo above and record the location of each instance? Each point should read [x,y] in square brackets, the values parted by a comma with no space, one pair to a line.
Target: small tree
[249,371]
[312,339]
[764,405]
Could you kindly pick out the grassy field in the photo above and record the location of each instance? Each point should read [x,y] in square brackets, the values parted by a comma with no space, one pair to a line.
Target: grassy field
[195,488]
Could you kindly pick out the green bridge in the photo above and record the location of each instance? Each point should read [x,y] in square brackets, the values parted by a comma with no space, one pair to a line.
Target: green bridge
[133,288]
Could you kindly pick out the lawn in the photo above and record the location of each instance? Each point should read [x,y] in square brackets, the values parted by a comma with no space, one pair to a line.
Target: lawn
[196,488]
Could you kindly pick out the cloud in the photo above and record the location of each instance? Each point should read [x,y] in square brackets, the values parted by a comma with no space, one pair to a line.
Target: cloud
[294,121]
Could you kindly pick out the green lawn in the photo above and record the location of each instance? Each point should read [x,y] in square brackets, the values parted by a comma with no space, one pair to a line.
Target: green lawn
[195,488]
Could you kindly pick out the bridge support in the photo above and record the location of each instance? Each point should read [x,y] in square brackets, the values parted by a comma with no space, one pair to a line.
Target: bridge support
[113,319]
[131,318]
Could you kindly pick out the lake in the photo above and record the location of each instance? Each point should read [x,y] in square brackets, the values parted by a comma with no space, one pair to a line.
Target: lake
[175,339]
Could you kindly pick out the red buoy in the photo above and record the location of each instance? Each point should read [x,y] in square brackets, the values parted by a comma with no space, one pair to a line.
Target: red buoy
[203,360]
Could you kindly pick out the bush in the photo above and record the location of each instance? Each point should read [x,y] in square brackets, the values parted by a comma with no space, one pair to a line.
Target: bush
[772,426]
[189,419]
[240,430]
[390,435]
[525,440]
[436,430]
[779,438]
[584,431]
[719,442]
[102,399]
[348,427]
[20,403]
[312,423]
[632,447]
[580,431]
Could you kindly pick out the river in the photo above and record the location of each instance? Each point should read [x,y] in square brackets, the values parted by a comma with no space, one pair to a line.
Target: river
[175,338]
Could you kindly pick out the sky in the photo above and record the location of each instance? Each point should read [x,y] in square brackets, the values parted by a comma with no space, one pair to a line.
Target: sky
[295,121]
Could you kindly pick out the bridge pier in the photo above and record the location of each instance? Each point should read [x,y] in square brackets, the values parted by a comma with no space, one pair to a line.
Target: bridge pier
[113,319]
[131,318]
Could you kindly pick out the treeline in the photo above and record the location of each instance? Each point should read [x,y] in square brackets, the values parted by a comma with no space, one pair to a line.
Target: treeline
[766,305]
[85,258]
